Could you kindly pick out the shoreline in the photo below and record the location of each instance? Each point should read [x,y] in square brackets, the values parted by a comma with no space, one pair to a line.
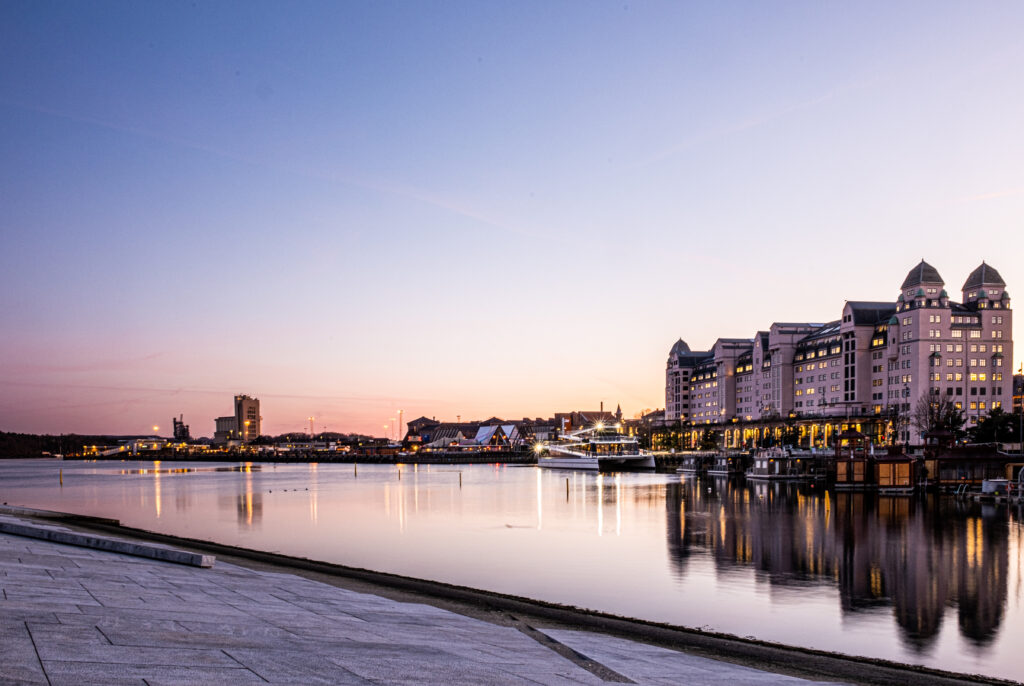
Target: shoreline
[512,610]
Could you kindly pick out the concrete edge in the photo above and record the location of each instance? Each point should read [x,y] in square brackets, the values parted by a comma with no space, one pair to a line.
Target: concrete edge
[75,538]
[51,514]
[765,655]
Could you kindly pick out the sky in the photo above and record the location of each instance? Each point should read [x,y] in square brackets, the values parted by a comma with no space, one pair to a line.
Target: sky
[468,209]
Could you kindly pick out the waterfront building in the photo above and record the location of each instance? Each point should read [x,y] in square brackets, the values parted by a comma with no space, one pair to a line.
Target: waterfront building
[1018,392]
[492,433]
[243,426]
[868,367]
[583,419]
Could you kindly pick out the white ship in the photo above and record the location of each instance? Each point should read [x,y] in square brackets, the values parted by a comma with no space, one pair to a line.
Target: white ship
[600,447]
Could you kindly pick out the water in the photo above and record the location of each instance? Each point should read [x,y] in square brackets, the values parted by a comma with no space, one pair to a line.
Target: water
[928,581]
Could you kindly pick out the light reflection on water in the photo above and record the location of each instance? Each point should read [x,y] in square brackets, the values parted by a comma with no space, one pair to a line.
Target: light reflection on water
[932,581]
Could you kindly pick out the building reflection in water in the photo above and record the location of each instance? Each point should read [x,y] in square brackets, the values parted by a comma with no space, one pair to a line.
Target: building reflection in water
[249,503]
[916,555]
[314,489]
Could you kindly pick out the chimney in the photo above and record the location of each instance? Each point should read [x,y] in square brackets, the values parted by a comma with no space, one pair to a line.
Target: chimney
[602,406]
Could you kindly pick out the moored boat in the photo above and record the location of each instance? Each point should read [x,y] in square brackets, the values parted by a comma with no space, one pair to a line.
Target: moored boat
[784,464]
[727,464]
[597,448]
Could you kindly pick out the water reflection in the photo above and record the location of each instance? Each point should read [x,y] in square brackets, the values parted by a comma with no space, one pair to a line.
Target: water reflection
[923,580]
[916,555]
[156,469]
[248,503]
[314,510]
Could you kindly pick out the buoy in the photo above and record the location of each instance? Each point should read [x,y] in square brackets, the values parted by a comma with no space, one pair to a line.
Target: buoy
[460,479]
[61,477]
[567,489]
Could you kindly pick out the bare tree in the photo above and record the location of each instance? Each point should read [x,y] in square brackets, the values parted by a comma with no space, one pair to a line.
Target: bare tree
[937,413]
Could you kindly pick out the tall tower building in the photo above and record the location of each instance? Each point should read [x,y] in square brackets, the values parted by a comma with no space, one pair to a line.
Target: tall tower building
[247,417]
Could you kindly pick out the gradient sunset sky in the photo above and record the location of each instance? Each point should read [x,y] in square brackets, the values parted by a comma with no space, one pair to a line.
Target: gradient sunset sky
[472,208]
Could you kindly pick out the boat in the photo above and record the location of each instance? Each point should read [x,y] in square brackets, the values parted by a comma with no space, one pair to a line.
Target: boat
[784,464]
[597,448]
[727,464]
[691,463]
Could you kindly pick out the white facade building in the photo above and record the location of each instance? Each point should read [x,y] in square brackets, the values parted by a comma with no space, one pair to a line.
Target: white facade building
[877,359]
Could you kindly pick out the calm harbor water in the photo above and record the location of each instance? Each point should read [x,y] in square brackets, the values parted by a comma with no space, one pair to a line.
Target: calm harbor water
[926,580]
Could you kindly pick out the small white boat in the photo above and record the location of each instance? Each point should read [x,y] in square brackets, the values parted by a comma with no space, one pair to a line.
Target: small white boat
[597,448]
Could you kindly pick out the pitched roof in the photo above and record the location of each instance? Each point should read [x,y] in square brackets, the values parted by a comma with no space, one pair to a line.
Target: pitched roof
[984,274]
[866,313]
[922,273]
[679,348]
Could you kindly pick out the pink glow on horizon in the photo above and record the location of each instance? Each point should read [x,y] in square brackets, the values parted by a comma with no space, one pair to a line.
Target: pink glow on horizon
[471,209]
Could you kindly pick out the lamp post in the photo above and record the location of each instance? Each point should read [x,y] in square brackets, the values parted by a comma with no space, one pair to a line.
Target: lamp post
[1021,448]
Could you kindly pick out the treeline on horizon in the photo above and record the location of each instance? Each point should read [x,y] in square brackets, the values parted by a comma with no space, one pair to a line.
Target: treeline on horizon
[16,445]
[13,445]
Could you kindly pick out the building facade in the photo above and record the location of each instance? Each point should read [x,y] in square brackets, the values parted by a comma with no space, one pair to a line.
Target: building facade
[1018,392]
[867,367]
[243,426]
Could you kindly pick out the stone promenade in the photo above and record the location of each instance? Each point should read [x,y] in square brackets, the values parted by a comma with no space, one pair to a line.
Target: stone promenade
[79,616]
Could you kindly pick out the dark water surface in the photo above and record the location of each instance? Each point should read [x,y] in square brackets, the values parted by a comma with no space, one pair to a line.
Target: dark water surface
[923,580]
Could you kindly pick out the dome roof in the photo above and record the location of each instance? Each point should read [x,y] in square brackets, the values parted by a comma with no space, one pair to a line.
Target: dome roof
[680,348]
[922,273]
[986,275]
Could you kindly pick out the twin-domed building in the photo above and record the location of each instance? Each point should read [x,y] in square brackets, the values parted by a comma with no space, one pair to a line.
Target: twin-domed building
[868,366]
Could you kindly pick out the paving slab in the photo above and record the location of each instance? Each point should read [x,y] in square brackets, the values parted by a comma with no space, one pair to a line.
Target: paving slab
[88,673]
[18,660]
[295,667]
[107,618]
[652,664]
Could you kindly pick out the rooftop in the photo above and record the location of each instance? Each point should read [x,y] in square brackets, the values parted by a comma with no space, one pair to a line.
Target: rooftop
[922,273]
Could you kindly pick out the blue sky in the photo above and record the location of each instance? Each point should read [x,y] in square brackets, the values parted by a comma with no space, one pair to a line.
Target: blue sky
[471,208]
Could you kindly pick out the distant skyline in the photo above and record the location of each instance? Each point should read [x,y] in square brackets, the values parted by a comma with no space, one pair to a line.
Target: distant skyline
[475,209]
